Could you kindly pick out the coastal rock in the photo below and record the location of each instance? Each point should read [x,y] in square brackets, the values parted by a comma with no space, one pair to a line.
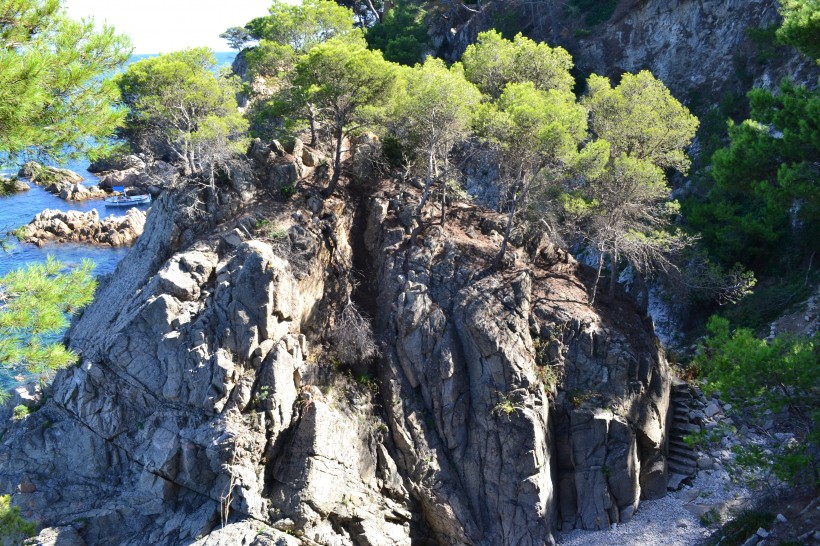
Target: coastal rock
[44,176]
[484,367]
[63,183]
[77,192]
[12,185]
[194,404]
[83,227]
[207,404]
[117,163]
[138,174]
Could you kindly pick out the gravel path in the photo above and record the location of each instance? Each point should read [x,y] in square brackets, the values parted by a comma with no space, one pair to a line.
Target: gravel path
[670,521]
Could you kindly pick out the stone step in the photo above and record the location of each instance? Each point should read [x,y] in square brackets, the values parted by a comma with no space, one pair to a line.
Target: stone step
[685,428]
[680,444]
[677,453]
[686,470]
[675,481]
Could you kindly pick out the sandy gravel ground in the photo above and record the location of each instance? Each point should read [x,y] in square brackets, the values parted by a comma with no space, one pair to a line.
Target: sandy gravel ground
[672,520]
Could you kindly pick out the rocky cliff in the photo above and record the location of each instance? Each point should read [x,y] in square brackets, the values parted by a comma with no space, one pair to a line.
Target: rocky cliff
[209,408]
[699,49]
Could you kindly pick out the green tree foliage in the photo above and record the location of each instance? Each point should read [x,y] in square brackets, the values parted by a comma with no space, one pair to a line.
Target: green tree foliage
[302,26]
[237,37]
[431,112]
[781,376]
[765,193]
[534,135]
[401,35]
[179,109]
[287,34]
[626,204]
[52,95]
[801,25]
[35,303]
[13,528]
[343,82]
[493,62]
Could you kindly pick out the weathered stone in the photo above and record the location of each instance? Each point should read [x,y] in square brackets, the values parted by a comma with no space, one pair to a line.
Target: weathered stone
[712,409]
[84,227]
[43,175]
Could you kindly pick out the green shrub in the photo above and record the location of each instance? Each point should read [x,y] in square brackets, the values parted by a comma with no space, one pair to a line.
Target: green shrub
[765,378]
[20,412]
[401,36]
[741,527]
[13,528]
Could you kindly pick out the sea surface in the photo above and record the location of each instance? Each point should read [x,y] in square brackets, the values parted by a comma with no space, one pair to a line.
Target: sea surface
[19,209]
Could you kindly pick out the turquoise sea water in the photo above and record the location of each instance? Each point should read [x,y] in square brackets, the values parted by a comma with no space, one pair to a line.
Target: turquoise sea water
[19,209]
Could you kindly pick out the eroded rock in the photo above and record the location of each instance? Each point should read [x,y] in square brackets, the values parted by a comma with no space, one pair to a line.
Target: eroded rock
[83,227]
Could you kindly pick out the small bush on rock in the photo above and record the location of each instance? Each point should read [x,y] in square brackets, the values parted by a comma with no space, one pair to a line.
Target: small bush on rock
[777,377]
[352,337]
[13,528]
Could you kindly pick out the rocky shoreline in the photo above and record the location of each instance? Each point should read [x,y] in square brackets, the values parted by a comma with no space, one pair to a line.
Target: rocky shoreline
[83,227]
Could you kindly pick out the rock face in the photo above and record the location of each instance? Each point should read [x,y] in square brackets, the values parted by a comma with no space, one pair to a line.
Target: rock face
[691,45]
[472,383]
[700,49]
[12,185]
[63,183]
[204,410]
[83,227]
[133,172]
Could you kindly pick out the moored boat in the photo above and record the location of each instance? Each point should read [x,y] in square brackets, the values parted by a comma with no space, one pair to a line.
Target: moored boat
[125,200]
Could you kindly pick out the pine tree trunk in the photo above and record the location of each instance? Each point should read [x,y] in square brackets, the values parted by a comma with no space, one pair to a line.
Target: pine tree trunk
[427,183]
[337,163]
[507,232]
[314,137]
[597,277]
[613,280]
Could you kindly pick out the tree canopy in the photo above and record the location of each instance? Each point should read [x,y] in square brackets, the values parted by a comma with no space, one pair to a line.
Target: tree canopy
[52,93]
[178,108]
[625,207]
[343,81]
[304,25]
[535,136]
[765,191]
[801,26]
[493,62]
[431,112]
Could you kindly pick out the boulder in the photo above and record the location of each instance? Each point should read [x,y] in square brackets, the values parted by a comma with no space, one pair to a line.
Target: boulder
[311,157]
[45,176]
[84,227]
[12,185]
[117,163]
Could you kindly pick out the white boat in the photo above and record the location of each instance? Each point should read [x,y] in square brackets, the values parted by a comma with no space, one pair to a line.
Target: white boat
[124,200]
[127,200]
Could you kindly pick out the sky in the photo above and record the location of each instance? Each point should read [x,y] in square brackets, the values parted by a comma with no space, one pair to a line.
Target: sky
[160,26]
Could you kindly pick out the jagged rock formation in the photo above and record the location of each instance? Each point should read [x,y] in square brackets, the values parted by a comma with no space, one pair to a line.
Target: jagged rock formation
[12,185]
[699,49]
[133,172]
[63,183]
[204,410]
[83,227]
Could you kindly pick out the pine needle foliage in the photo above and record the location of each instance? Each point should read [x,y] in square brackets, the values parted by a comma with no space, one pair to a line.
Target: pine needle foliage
[36,302]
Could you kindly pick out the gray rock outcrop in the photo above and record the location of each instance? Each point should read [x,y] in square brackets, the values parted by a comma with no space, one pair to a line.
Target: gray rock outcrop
[473,377]
[83,227]
[205,410]
[9,186]
[63,183]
